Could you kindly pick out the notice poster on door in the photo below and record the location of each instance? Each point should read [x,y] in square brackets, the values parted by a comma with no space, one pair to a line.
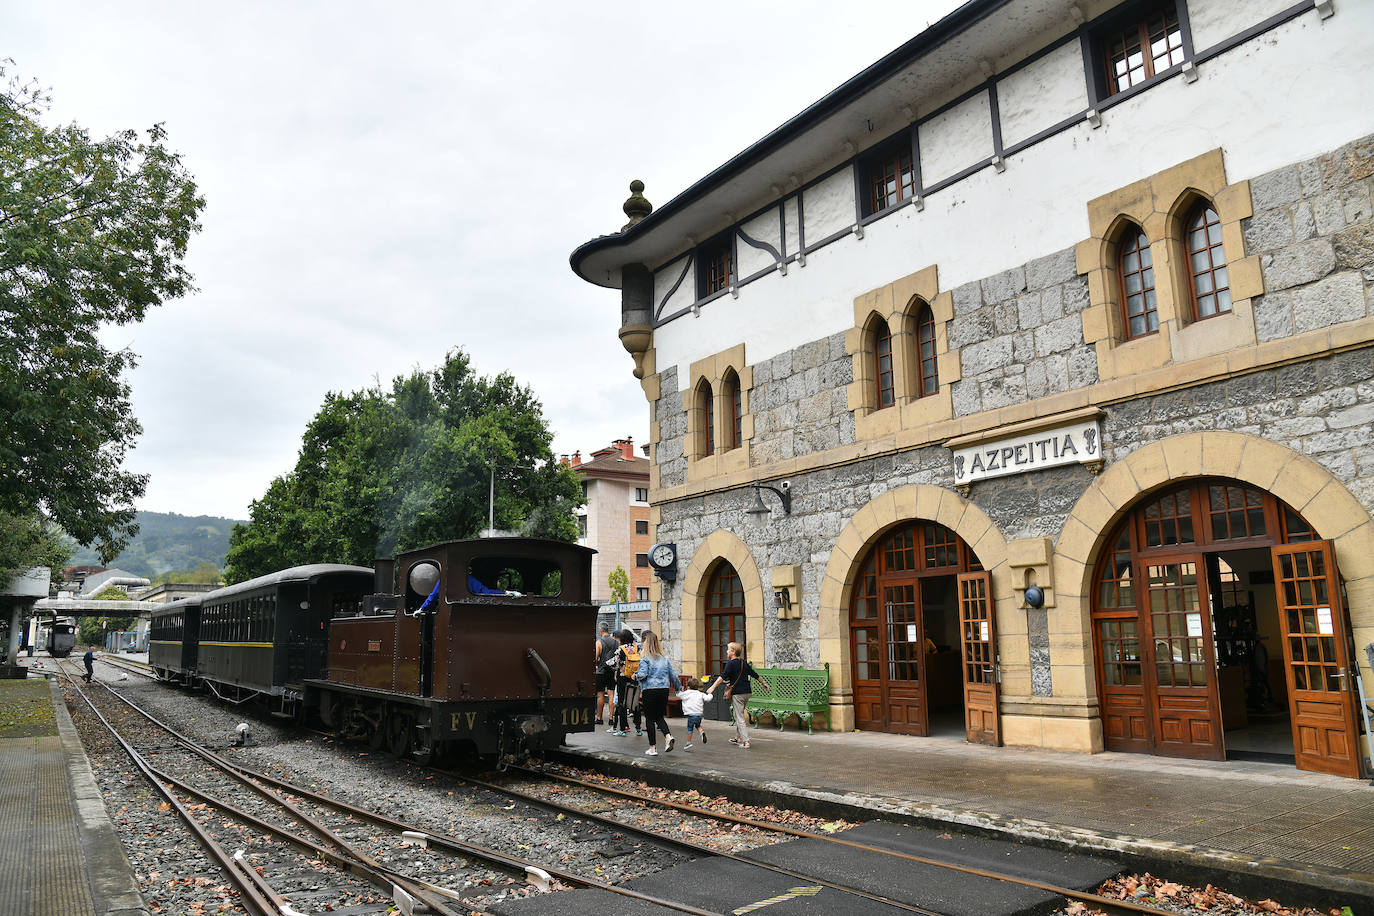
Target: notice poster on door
[1324,625]
[911,632]
[1194,625]
[983,630]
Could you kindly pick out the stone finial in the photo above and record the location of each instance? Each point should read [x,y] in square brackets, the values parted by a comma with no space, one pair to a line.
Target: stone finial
[637,206]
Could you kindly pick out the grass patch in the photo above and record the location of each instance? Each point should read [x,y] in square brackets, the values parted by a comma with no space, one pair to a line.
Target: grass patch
[26,709]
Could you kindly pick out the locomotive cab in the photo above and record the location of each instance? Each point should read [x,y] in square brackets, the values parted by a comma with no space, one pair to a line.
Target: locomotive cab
[480,648]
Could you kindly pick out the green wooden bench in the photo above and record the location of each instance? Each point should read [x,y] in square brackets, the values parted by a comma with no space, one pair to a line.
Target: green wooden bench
[800,692]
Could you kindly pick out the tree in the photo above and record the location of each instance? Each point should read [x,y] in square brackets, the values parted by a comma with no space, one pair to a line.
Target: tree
[382,470]
[203,574]
[92,630]
[92,232]
[31,540]
[619,581]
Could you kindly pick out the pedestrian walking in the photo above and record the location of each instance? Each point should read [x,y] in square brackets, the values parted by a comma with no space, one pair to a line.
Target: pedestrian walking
[89,661]
[736,677]
[693,707]
[655,676]
[627,686]
[603,658]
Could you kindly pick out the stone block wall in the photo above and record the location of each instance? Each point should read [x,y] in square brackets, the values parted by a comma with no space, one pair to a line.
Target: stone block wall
[1313,229]
[1019,335]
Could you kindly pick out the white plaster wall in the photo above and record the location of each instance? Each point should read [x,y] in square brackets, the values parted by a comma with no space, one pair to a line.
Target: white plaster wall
[828,206]
[763,228]
[1042,94]
[1214,21]
[956,139]
[789,209]
[663,281]
[1289,96]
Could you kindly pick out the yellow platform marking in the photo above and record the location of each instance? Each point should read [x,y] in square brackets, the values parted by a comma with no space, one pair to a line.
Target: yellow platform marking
[792,894]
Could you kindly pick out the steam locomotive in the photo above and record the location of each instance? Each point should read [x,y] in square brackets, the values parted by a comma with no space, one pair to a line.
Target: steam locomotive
[463,646]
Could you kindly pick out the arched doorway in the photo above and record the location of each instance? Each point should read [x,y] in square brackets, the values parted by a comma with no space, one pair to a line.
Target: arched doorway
[921,636]
[724,625]
[1218,620]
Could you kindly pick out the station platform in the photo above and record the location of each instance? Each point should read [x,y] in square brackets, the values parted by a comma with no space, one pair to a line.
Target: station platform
[59,853]
[1258,826]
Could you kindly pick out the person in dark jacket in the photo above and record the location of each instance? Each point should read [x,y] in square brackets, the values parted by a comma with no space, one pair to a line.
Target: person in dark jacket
[89,660]
[736,677]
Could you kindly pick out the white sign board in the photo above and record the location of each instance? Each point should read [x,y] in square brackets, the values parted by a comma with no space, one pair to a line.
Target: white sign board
[1075,443]
[1325,626]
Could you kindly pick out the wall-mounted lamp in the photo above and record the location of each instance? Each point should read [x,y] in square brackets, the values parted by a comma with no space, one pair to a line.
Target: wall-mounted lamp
[782,602]
[758,511]
[1035,596]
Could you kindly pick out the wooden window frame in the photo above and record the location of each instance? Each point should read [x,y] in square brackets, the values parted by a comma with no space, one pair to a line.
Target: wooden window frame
[884,380]
[706,436]
[889,175]
[730,390]
[715,266]
[1136,30]
[927,353]
[1215,272]
[1129,240]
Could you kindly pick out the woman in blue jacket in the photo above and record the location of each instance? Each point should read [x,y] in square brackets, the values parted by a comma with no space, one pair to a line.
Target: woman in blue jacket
[655,677]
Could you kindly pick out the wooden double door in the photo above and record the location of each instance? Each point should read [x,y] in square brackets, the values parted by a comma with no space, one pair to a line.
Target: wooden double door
[902,663]
[1156,636]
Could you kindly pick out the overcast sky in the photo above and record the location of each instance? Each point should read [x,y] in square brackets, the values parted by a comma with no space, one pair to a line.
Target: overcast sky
[386,182]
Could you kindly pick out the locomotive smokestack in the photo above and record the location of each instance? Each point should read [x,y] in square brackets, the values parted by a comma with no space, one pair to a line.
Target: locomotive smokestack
[385,576]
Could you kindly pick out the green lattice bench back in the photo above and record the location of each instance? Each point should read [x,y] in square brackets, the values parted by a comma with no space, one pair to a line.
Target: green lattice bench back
[800,692]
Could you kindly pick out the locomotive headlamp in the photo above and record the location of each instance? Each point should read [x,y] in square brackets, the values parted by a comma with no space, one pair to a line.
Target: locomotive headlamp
[423,577]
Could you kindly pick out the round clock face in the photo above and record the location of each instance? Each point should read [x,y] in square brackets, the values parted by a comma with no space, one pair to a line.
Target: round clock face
[663,555]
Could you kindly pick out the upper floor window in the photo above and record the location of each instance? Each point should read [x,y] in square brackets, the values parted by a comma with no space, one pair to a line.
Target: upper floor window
[1140,315]
[641,560]
[706,402]
[713,266]
[641,527]
[890,173]
[928,379]
[733,410]
[641,594]
[882,366]
[1210,286]
[582,525]
[641,494]
[1135,49]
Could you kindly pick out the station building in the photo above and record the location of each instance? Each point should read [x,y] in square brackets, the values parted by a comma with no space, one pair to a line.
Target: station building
[1045,342]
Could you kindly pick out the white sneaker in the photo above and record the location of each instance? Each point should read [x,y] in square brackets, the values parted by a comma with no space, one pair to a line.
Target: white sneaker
[651,752]
[687,746]
[668,745]
[611,730]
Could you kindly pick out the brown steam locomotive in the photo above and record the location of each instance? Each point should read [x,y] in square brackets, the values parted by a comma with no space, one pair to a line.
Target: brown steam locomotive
[472,646]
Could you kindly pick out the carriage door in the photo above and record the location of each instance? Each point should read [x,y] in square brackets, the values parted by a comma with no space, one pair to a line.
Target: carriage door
[1188,705]
[1316,658]
[978,638]
[904,694]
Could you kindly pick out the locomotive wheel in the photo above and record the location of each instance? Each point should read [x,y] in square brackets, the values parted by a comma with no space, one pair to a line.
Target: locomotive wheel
[397,734]
[376,736]
[336,719]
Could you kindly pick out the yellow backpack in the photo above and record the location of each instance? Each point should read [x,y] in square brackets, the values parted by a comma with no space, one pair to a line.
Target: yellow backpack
[631,653]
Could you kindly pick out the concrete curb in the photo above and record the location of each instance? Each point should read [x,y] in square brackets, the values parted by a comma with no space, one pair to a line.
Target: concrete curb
[112,879]
[1257,878]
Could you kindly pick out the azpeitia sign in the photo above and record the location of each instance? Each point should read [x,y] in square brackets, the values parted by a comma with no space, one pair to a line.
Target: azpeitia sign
[1077,443]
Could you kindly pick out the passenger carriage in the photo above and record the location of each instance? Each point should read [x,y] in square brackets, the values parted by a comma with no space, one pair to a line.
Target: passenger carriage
[173,640]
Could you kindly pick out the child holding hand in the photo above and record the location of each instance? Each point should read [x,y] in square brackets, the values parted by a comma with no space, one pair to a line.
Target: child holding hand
[693,706]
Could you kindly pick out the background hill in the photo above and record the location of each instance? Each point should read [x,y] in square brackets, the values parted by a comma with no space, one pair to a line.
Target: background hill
[167,542]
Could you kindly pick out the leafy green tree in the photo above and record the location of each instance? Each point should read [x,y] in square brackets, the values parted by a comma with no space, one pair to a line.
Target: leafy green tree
[28,540]
[382,470]
[93,232]
[92,630]
[619,581]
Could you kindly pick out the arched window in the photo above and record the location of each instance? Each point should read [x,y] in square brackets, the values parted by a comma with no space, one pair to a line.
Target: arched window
[724,615]
[885,392]
[928,379]
[733,410]
[1211,288]
[1139,314]
[707,405]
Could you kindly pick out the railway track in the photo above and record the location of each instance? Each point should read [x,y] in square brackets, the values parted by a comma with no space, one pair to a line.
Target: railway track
[603,822]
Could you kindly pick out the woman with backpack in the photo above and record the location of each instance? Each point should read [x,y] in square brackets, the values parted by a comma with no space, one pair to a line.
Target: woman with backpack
[655,676]
[627,687]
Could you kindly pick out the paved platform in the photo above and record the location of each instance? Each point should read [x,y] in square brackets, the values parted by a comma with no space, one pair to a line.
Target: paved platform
[1266,825]
[59,853]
